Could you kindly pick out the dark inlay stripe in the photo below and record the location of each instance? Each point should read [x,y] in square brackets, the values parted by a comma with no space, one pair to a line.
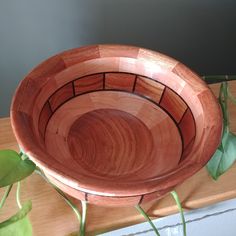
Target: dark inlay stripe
[162,94]
[148,88]
[61,95]
[121,81]
[141,199]
[187,127]
[90,82]
[173,103]
[183,115]
[187,150]
[73,86]
[121,73]
[104,81]
[138,95]
[135,81]
[44,118]
[50,106]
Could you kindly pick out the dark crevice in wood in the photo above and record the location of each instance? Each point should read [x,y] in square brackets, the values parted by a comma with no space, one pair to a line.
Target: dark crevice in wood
[162,95]
[119,90]
[135,81]
[141,199]
[104,81]
[186,110]
[73,87]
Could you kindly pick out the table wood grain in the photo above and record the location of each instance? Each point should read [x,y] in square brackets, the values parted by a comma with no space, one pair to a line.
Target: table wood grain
[52,216]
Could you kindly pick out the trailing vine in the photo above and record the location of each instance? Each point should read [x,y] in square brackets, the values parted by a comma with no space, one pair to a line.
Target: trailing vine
[15,167]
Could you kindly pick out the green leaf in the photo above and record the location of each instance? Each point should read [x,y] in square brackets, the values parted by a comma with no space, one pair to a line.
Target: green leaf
[18,224]
[26,208]
[13,168]
[225,155]
[19,228]
[223,158]
[5,195]
[223,100]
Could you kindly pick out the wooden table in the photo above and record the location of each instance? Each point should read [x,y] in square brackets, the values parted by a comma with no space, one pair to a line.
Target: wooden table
[52,216]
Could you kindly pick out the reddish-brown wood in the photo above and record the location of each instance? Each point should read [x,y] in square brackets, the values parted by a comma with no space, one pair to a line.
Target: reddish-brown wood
[114,124]
[149,88]
[124,137]
[44,118]
[174,104]
[88,83]
[61,96]
[187,127]
[119,81]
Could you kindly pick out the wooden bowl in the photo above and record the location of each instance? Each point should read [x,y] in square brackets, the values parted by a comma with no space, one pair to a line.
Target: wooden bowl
[114,124]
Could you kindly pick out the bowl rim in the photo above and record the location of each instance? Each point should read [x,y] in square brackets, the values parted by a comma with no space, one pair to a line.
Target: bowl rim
[171,179]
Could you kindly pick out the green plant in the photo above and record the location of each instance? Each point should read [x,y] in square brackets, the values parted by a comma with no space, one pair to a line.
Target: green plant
[15,167]
[225,155]
[81,219]
[176,198]
[142,212]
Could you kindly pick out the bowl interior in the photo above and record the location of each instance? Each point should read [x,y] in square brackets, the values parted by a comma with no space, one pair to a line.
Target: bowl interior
[117,125]
[116,120]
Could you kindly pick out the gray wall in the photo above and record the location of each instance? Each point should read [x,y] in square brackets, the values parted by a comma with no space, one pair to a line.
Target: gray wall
[202,33]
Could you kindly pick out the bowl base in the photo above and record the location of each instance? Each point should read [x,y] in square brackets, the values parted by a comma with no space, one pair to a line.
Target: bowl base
[110,142]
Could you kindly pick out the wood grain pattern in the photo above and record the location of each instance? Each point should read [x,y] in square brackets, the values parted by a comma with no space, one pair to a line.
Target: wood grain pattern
[120,88]
[107,50]
[76,129]
[76,56]
[117,130]
[190,77]
[120,81]
[61,96]
[187,127]
[187,149]
[173,104]
[47,69]
[44,118]
[149,88]
[89,83]
[51,216]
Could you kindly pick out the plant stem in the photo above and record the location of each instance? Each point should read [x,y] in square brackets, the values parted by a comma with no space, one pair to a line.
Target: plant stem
[223,100]
[67,200]
[83,221]
[142,212]
[7,191]
[176,197]
[225,89]
[18,195]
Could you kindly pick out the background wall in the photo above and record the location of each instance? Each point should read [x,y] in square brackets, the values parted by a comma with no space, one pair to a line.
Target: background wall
[201,34]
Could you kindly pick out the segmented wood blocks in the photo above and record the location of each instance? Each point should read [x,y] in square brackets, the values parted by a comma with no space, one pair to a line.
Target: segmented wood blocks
[114,124]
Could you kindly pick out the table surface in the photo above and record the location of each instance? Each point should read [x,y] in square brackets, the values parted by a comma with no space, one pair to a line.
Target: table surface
[52,216]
